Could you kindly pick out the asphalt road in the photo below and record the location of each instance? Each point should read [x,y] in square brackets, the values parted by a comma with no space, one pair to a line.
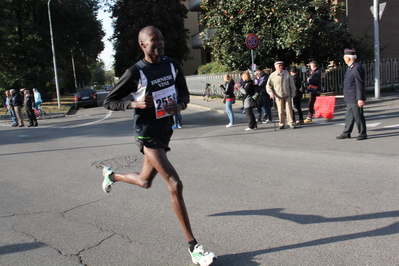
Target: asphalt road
[285,197]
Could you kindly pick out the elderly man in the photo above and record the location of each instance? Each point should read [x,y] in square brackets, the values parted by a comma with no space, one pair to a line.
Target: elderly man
[281,86]
[354,96]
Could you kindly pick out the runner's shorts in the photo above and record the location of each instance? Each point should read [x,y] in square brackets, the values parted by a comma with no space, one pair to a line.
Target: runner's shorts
[155,142]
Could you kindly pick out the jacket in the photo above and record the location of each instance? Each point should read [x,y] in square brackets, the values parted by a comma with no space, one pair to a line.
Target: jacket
[228,89]
[281,85]
[354,89]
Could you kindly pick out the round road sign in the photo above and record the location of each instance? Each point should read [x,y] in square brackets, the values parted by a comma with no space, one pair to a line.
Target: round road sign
[252,41]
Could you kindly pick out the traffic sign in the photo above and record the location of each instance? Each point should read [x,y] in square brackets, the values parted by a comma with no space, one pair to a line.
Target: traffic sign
[252,41]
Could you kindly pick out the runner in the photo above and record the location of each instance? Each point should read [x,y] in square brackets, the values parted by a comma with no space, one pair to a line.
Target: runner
[160,91]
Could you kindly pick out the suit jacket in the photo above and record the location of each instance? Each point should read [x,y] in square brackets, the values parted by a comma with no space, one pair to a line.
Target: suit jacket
[354,84]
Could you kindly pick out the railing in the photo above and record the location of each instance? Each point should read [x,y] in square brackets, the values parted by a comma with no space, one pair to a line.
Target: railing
[332,77]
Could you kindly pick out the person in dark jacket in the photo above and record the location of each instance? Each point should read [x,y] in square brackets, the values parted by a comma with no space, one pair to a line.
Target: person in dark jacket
[29,103]
[17,104]
[249,90]
[264,102]
[314,88]
[159,90]
[298,95]
[228,89]
[354,96]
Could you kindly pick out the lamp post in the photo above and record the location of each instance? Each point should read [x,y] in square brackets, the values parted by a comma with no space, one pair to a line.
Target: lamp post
[57,85]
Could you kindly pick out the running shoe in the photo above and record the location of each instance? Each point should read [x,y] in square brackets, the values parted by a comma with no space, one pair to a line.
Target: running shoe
[107,183]
[201,257]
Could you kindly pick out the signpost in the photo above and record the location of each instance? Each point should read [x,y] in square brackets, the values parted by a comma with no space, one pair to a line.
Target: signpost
[377,9]
[252,42]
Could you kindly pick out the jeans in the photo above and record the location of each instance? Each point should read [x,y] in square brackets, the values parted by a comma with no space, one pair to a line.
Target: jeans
[13,116]
[229,111]
[177,119]
[264,105]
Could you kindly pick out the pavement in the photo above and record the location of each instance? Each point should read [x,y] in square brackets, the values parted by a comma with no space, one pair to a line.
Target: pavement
[216,104]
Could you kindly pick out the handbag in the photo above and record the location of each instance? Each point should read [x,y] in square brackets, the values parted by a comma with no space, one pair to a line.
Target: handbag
[313,89]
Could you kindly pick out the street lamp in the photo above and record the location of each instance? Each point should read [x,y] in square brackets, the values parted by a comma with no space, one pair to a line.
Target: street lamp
[57,85]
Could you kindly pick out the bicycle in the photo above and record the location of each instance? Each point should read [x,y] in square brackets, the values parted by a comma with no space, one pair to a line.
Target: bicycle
[42,112]
[207,92]
[395,84]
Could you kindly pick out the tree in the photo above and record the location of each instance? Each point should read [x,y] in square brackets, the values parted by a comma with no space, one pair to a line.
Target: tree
[132,16]
[294,31]
[25,47]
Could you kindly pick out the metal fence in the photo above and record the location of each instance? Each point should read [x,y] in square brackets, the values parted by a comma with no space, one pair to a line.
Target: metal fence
[332,77]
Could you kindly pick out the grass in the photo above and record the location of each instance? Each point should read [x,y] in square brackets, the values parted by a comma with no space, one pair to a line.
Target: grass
[66,103]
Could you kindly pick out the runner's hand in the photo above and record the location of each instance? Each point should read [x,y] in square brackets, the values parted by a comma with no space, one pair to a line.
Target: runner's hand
[172,107]
[146,102]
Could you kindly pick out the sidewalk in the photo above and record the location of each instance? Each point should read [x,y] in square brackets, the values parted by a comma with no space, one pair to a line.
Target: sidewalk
[216,104]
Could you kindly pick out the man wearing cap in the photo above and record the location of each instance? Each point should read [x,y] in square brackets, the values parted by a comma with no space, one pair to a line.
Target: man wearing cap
[281,86]
[354,96]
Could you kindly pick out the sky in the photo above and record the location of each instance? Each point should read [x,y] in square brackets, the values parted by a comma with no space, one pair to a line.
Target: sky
[107,54]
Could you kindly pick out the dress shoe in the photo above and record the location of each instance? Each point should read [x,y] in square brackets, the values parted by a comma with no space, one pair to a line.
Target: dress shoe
[300,122]
[21,126]
[361,137]
[344,136]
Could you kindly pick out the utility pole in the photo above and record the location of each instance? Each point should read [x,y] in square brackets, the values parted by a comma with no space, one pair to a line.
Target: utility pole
[376,12]
[57,85]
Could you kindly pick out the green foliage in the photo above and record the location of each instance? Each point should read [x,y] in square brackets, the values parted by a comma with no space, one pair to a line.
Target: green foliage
[132,16]
[25,43]
[213,67]
[294,31]
[98,73]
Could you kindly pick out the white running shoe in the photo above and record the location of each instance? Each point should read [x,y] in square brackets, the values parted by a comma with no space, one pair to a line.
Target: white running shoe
[107,183]
[249,129]
[230,125]
[267,121]
[201,257]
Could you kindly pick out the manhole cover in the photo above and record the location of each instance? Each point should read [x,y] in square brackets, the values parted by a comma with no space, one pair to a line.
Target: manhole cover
[117,162]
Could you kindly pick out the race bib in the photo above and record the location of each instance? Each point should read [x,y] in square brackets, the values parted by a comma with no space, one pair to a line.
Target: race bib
[161,98]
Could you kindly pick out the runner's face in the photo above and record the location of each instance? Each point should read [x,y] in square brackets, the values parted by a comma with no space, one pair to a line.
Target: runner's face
[153,44]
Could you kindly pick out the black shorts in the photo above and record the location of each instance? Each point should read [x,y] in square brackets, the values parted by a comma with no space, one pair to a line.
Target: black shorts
[155,142]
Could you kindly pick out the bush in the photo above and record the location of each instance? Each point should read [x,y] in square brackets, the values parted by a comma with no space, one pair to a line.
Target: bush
[212,68]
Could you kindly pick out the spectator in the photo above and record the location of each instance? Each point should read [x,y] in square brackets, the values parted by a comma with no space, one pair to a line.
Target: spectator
[298,95]
[228,89]
[17,104]
[10,108]
[264,102]
[29,103]
[249,91]
[281,87]
[354,96]
[314,88]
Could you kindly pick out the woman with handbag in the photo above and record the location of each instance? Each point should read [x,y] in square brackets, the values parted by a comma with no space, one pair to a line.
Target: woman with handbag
[249,90]
[229,98]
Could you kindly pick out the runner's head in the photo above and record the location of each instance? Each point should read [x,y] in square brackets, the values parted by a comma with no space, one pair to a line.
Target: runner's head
[152,43]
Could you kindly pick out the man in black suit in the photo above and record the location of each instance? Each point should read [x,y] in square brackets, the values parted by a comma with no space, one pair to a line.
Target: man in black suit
[354,96]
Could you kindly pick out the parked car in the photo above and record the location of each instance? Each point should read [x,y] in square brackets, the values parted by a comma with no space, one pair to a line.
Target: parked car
[108,87]
[85,98]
